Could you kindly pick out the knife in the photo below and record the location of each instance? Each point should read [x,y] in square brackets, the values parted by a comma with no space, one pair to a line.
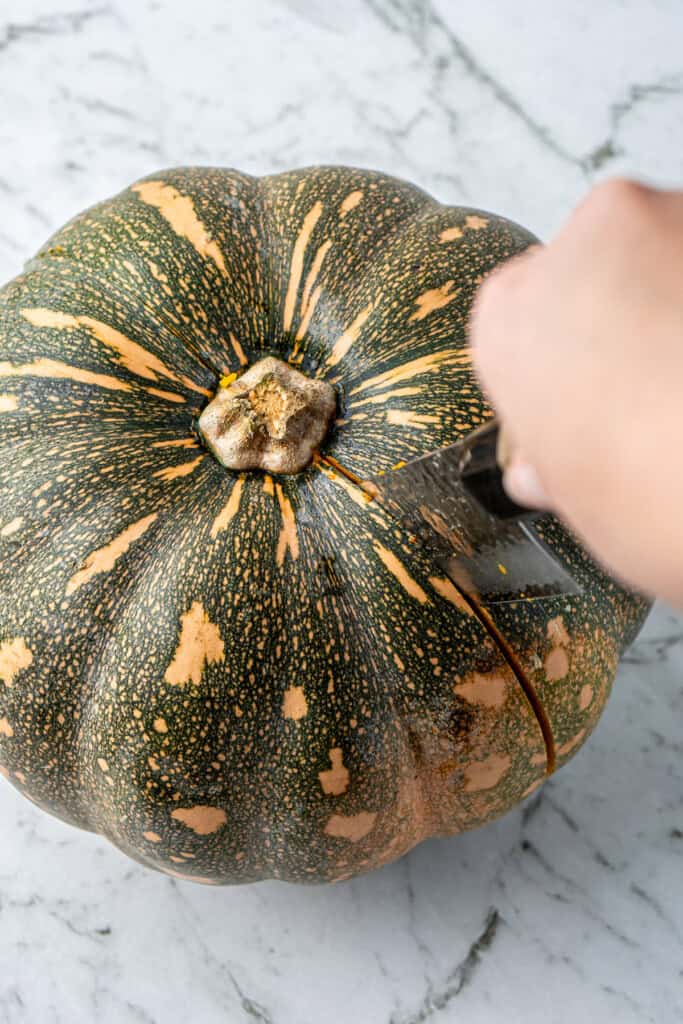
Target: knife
[454,503]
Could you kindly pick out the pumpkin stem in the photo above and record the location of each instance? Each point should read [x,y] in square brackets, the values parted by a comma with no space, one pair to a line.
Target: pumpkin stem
[273,418]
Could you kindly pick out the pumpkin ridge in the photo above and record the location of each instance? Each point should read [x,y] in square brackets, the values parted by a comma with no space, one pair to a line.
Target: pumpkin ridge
[263,188]
[490,627]
[524,681]
[278,334]
[46,262]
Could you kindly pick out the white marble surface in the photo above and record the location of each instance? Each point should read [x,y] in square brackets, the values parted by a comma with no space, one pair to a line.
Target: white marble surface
[571,907]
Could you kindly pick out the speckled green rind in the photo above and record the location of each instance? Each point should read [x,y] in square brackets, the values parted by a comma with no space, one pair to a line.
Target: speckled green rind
[236,677]
[569,647]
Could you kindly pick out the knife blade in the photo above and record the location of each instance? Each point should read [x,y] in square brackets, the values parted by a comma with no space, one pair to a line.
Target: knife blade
[454,503]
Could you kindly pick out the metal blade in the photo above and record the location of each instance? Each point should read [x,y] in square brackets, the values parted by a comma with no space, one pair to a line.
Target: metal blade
[491,559]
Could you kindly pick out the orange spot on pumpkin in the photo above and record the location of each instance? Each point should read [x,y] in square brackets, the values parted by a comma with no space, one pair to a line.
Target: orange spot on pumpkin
[556,664]
[488,690]
[487,773]
[557,632]
[15,656]
[353,827]
[201,819]
[433,299]
[294,703]
[200,644]
[335,780]
[450,234]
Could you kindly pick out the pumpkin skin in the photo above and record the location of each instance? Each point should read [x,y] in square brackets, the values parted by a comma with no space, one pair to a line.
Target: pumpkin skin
[235,676]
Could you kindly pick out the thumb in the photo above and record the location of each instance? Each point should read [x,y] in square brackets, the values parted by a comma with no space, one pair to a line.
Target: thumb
[524,485]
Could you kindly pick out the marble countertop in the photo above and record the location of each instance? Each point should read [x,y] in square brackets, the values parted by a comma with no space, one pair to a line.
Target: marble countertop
[571,906]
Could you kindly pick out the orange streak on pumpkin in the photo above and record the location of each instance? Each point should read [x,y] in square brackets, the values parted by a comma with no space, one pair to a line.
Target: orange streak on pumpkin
[5,728]
[40,317]
[311,277]
[353,489]
[52,368]
[351,334]
[408,418]
[152,837]
[169,396]
[238,350]
[268,485]
[199,644]
[190,878]
[297,265]
[132,356]
[184,469]
[184,442]
[399,571]
[288,537]
[229,511]
[350,202]
[432,363]
[201,819]
[104,559]
[445,588]
[353,827]
[433,299]
[310,309]
[476,223]
[386,396]
[179,212]
[12,527]
[14,657]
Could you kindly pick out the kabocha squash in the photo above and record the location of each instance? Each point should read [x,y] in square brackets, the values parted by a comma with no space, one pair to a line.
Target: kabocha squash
[214,649]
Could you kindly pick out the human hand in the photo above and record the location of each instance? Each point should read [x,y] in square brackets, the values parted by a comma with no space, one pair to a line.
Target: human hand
[579,345]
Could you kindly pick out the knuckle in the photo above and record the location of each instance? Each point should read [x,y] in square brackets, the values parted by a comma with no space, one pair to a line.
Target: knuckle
[618,197]
[499,284]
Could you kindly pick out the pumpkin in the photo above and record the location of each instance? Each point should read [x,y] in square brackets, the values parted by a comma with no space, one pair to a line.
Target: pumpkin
[215,650]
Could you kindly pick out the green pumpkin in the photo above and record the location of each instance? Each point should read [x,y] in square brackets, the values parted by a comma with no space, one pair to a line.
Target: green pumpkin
[231,671]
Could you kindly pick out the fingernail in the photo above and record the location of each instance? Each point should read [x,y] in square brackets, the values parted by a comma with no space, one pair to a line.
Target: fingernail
[523,484]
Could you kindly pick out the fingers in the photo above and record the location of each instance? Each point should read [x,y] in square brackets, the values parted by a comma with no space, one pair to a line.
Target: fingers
[578,346]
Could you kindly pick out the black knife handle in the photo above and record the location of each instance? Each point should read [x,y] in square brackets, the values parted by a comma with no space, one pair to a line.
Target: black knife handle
[483,477]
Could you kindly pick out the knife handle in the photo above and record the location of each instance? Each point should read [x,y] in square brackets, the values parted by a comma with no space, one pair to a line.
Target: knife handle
[484,450]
